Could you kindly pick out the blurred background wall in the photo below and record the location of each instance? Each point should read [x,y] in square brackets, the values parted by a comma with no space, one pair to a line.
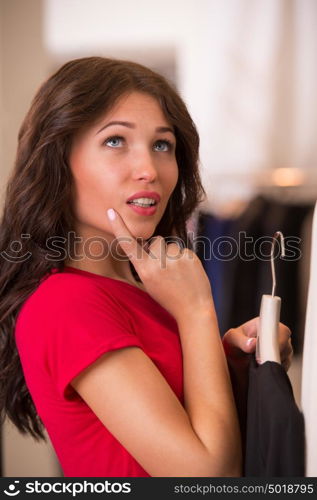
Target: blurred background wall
[247,70]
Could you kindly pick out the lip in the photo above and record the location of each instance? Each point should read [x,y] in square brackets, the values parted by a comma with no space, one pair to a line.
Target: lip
[145,194]
[143,210]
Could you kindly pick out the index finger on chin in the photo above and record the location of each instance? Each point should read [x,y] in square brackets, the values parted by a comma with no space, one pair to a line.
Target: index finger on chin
[126,240]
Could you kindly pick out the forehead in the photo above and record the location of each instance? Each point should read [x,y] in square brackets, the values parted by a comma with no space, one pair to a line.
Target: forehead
[138,105]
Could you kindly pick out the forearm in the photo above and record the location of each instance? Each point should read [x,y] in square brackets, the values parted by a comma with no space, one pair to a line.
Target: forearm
[208,394]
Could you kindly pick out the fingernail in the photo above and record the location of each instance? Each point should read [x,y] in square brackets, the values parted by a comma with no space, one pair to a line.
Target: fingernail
[250,341]
[111,214]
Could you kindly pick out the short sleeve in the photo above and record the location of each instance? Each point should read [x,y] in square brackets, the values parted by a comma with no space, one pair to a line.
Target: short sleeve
[90,323]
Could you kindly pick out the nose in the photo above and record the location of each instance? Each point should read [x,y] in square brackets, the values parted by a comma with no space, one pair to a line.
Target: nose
[144,166]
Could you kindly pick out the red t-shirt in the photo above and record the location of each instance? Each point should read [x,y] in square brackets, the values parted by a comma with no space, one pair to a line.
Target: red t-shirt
[71,319]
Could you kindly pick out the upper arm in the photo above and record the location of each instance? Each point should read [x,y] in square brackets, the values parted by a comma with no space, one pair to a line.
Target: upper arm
[133,400]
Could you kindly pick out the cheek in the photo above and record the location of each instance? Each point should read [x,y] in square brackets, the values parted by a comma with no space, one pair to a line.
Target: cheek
[172,177]
[92,196]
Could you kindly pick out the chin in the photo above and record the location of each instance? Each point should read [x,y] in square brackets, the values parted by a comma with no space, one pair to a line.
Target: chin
[143,234]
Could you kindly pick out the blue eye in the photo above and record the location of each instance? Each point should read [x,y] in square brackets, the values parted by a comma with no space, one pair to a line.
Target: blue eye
[163,145]
[114,141]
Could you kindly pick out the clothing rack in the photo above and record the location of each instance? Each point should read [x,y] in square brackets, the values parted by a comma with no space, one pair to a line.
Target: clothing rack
[237,281]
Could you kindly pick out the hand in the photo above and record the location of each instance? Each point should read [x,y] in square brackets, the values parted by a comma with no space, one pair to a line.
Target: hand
[175,278]
[242,340]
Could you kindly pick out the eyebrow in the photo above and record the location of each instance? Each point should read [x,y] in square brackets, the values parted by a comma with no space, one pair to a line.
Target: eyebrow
[132,125]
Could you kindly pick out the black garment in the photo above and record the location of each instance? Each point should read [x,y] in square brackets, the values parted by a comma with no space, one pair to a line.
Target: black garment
[275,437]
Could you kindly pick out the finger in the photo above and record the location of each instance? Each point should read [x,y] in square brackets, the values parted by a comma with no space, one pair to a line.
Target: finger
[284,339]
[287,355]
[251,327]
[286,363]
[284,333]
[236,338]
[128,243]
[157,249]
[156,246]
[173,250]
[286,350]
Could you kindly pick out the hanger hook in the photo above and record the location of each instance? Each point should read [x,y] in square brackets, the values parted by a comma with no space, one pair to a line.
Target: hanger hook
[276,235]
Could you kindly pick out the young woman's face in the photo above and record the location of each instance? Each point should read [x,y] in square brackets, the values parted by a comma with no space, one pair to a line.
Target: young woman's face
[129,151]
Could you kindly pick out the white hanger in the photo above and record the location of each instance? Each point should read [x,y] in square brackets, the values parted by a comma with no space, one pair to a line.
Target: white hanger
[267,347]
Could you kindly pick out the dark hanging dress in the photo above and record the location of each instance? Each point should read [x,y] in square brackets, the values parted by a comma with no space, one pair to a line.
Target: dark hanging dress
[275,437]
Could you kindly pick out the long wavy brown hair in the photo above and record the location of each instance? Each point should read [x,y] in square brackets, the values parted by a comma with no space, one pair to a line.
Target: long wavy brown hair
[38,195]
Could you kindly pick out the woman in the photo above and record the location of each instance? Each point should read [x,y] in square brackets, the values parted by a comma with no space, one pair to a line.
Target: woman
[109,336]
